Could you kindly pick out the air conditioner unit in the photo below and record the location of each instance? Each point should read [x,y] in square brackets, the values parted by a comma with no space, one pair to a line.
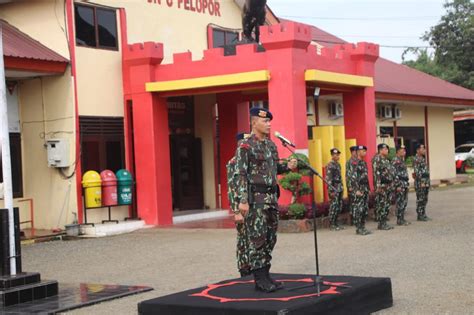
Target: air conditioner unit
[386,111]
[397,113]
[336,110]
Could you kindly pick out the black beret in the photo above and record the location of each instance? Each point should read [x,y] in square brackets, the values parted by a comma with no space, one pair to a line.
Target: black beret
[335,151]
[419,145]
[382,146]
[361,147]
[260,112]
[353,148]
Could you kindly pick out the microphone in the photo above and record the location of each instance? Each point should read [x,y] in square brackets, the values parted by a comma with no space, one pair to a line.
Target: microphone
[284,140]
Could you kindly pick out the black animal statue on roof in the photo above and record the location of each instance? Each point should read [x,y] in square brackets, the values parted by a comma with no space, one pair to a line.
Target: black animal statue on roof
[254,13]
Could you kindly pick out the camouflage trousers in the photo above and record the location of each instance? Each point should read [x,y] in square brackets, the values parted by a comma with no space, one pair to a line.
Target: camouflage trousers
[421,199]
[242,248]
[359,208]
[401,198]
[261,225]
[335,207]
[383,201]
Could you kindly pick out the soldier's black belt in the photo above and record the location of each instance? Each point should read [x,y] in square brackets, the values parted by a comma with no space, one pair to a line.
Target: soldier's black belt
[425,176]
[405,179]
[385,181]
[263,189]
[364,181]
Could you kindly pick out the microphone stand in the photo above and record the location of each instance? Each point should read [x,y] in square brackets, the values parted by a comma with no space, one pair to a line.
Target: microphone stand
[318,280]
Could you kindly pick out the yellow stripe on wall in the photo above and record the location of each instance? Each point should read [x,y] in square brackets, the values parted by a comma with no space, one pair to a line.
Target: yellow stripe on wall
[338,78]
[211,81]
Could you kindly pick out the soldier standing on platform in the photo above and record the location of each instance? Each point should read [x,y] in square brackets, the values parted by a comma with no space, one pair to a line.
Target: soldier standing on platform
[401,184]
[383,182]
[350,165]
[335,188]
[257,165]
[242,239]
[422,182]
[360,189]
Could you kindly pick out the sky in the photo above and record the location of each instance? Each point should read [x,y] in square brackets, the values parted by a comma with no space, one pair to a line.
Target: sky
[385,22]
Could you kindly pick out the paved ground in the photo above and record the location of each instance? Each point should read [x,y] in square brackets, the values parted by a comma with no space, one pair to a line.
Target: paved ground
[431,264]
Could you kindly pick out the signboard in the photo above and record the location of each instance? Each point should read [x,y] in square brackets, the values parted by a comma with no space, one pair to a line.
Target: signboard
[210,7]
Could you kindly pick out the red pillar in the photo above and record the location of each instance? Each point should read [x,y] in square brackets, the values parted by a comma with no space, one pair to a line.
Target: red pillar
[286,46]
[359,106]
[227,107]
[152,159]
[150,134]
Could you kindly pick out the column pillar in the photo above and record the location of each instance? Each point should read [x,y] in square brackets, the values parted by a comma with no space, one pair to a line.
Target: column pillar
[360,119]
[227,107]
[286,48]
[152,159]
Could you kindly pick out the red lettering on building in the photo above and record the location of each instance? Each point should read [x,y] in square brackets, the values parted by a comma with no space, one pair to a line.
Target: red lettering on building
[212,7]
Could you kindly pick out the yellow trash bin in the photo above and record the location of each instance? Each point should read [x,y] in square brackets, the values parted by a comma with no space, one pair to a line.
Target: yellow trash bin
[92,184]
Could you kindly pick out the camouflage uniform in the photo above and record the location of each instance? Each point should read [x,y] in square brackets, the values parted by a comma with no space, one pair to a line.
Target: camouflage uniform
[422,186]
[402,184]
[335,187]
[359,181]
[350,165]
[383,182]
[257,168]
[242,240]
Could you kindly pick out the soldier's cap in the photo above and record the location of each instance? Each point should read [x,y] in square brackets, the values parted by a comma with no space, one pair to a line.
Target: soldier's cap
[353,148]
[260,112]
[419,145]
[382,146]
[400,147]
[335,151]
[241,136]
[361,147]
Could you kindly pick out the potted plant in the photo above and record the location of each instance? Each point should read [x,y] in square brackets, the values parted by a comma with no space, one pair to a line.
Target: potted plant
[294,215]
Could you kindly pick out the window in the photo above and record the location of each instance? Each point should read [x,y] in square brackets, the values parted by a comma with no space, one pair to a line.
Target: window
[17,174]
[102,143]
[96,27]
[221,38]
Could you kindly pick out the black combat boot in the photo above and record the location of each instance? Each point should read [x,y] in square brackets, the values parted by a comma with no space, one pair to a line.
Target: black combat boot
[384,226]
[362,231]
[423,218]
[277,284]
[245,272]
[262,283]
[334,227]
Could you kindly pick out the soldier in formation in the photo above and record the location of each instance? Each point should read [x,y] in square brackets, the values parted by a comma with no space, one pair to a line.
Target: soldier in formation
[335,187]
[242,239]
[350,164]
[257,167]
[422,182]
[359,183]
[383,181]
[401,184]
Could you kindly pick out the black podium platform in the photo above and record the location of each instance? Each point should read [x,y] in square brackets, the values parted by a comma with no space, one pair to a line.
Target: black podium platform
[338,295]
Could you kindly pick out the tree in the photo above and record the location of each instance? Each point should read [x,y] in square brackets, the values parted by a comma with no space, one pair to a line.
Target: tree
[453,42]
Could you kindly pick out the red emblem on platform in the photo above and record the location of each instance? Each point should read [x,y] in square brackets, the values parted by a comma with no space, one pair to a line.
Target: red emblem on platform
[206,293]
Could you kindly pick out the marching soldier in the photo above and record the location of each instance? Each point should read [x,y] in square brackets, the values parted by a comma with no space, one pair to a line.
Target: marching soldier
[350,164]
[242,239]
[360,189]
[401,184]
[383,181]
[335,187]
[422,182]
[257,165]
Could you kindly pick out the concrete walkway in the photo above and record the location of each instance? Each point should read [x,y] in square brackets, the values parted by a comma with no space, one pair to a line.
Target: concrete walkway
[430,263]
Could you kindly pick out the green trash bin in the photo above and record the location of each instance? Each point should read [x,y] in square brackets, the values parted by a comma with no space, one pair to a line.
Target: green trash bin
[124,187]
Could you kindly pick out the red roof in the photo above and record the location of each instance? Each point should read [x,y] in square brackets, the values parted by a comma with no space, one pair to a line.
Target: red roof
[18,44]
[394,78]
